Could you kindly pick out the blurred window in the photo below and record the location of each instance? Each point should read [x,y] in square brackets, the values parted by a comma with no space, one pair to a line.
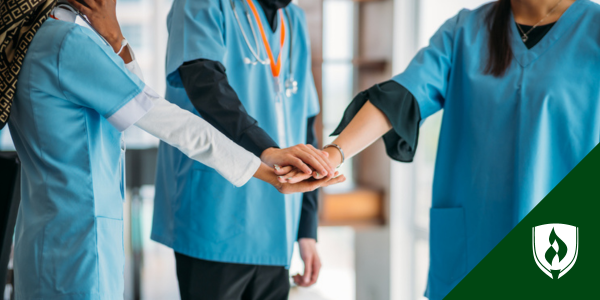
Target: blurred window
[338,70]
[134,34]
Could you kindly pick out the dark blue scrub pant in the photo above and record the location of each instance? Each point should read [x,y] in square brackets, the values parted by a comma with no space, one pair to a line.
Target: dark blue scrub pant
[209,280]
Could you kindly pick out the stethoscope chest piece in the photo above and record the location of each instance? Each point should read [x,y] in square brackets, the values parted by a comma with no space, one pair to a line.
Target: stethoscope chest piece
[291,87]
[249,61]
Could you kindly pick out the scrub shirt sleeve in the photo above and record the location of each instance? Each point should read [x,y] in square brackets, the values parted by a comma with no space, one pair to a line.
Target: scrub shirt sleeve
[203,31]
[206,85]
[426,77]
[91,75]
[400,107]
[309,221]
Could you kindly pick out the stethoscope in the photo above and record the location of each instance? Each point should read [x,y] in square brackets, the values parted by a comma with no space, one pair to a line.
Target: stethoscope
[291,85]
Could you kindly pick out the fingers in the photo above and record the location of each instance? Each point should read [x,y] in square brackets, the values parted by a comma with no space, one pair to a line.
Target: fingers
[310,185]
[316,270]
[312,160]
[312,269]
[331,181]
[308,269]
[294,177]
[297,279]
[92,4]
[317,175]
[282,170]
[80,7]
[323,154]
[290,175]
[322,158]
[299,163]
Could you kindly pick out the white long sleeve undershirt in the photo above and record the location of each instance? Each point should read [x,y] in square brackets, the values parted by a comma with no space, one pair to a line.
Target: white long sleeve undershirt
[197,139]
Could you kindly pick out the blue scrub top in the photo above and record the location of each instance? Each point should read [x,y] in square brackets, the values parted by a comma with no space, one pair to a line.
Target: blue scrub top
[197,212]
[505,142]
[69,233]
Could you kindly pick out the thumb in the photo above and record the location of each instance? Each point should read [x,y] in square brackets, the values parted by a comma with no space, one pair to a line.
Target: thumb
[282,170]
[308,264]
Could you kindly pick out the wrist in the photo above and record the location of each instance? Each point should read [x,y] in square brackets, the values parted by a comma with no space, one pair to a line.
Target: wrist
[307,240]
[335,157]
[264,156]
[266,174]
[115,41]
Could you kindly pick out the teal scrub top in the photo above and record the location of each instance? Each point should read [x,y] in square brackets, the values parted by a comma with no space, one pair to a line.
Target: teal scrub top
[505,142]
[69,232]
[197,212]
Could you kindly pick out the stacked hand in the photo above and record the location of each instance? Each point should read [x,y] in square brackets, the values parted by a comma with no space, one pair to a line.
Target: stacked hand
[300,168]
[294,174]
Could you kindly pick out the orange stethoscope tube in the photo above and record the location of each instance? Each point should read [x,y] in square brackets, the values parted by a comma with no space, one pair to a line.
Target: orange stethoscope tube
[275,65]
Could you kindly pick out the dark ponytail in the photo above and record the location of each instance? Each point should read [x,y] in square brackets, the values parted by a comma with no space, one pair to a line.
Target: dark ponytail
[500,55]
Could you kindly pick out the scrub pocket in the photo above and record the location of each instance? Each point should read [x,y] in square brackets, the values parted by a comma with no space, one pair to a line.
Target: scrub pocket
[111,256]
[448,244]
[217,208]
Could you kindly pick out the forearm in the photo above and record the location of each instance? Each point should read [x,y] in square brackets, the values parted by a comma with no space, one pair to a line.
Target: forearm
[366,127]
[208,89]
[198,140]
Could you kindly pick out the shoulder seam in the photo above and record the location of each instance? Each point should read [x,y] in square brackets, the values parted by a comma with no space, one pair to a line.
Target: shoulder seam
[104,53]
[58,60]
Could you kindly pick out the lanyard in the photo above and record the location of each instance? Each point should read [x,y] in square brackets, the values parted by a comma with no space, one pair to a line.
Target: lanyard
[275,66]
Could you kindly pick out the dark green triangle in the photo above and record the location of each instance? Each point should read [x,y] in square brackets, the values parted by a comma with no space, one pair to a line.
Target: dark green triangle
[509,271]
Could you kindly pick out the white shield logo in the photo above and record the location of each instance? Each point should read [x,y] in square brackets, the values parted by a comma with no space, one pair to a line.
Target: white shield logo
[555,248]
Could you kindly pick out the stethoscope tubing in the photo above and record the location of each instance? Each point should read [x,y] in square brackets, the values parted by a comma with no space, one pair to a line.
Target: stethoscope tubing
[247,41]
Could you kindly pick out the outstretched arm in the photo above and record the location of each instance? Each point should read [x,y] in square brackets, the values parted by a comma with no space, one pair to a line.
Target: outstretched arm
[202,142]
[206,84]
[366,127]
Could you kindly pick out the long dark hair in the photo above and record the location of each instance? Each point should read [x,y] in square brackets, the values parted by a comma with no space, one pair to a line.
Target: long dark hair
[500,55]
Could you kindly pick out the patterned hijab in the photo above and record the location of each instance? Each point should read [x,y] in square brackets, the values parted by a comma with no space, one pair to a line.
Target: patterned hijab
[19,21]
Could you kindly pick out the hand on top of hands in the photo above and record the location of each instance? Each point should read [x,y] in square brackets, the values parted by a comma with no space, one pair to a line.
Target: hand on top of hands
[294,175]
[301,168]
[305,158]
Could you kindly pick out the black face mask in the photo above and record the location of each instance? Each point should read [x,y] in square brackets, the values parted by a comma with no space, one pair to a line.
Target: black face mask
[270,8]
[274,4]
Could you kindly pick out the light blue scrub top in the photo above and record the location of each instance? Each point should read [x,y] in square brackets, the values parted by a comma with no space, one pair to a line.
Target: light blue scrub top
[69,233]
[505,142]
[197,212]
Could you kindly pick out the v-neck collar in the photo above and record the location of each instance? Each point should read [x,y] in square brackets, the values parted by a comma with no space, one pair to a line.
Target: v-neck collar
[526,56]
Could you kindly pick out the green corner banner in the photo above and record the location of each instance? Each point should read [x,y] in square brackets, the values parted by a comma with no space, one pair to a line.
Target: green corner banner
[553,253]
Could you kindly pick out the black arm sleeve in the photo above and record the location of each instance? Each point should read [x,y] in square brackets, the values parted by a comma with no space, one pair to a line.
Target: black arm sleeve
[206,85]
[309,216]
[401,108]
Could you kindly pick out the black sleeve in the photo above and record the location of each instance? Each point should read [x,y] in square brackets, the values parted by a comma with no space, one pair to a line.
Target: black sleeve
[309,216]
[401,108]
[206,85]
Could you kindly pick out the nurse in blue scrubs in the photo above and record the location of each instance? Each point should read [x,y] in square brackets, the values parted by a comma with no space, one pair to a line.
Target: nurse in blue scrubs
[74,96]
[245,67]
[518,83]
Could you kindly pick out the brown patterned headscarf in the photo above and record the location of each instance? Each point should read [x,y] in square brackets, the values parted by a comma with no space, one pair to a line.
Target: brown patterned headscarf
[19,21]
